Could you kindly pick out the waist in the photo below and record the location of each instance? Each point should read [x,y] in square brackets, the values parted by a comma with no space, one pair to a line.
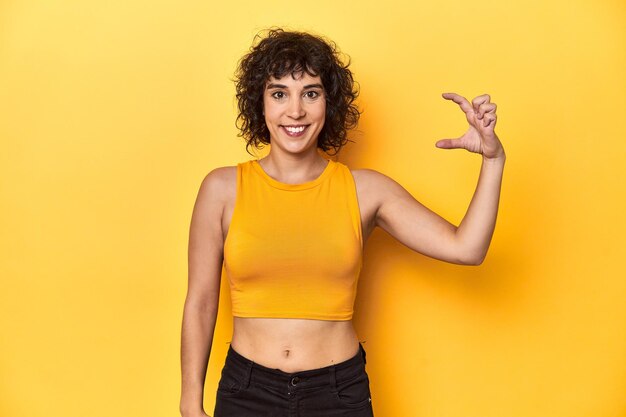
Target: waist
[294,345]
[287,383]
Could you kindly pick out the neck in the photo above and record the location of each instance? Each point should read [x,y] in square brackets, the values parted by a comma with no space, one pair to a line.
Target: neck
[293,169]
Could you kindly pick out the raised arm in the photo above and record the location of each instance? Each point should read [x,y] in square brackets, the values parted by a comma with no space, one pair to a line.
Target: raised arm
[426,232]
[201,304]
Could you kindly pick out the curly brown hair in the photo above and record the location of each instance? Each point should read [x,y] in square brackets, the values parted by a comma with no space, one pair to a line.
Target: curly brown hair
[280,52]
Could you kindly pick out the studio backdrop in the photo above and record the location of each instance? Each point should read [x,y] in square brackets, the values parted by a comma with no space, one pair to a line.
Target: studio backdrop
[112,113]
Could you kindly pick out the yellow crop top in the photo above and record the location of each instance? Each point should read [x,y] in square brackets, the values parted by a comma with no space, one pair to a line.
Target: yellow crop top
[294,250]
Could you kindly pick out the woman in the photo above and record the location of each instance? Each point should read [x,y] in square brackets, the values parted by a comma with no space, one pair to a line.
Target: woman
[289,229]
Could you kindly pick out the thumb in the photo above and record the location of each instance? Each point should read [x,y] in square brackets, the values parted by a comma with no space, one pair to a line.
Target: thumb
[449,143]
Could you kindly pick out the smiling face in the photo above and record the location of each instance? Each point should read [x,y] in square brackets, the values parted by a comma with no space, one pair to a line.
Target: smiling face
[295,110]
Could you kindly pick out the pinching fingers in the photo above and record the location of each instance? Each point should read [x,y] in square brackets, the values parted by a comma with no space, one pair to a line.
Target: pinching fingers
[489,119]
[485,108]
[477,101]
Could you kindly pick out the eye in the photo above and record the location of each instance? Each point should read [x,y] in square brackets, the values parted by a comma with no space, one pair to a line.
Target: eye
[311,94]
[278,94]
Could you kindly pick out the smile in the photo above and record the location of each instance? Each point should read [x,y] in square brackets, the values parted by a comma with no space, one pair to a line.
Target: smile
[295,131]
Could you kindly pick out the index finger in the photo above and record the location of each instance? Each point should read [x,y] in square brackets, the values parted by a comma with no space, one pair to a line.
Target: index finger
[460,100]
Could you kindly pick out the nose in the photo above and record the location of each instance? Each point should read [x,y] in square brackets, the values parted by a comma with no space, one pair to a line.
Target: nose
[295,110]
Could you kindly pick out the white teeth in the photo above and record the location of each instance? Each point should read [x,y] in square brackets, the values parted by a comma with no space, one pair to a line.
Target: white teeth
[294,129]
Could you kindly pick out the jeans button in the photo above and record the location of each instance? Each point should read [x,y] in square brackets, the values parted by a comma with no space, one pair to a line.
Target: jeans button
[295,380]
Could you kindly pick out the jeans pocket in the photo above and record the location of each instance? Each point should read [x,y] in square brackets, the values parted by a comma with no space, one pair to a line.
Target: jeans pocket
[355,392]
[230,382]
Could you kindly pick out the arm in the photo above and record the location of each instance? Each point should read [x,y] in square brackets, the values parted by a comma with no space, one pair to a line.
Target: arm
[205,256]
[424,231]
[476,229]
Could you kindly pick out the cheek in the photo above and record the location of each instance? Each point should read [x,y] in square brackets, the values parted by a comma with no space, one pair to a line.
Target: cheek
[320,112]
[269,112]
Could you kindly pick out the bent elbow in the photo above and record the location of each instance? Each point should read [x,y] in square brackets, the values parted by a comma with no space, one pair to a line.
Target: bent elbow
[473,259]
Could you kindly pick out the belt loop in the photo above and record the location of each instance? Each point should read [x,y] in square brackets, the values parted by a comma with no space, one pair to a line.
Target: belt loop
[333,379]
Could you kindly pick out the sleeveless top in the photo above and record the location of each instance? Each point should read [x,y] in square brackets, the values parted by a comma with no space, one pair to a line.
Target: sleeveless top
[294,250]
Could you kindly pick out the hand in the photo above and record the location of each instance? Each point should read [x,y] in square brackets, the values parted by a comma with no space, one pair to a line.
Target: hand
[480,137]
[200,413]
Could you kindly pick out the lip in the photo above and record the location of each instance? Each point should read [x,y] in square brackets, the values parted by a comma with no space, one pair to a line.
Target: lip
[296,134]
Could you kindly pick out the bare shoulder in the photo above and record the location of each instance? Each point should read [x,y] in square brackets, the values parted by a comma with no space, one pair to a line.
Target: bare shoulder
[373,189]
[372,180]
[378,191]
[216,192]
[219,183]
[222,174]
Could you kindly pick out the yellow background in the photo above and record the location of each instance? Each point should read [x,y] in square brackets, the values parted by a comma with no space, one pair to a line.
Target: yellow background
[111,113]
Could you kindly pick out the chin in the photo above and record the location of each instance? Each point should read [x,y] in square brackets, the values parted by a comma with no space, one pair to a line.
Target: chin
[297,146]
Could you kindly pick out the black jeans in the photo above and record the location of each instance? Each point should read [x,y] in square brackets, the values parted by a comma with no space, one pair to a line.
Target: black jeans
[247,389]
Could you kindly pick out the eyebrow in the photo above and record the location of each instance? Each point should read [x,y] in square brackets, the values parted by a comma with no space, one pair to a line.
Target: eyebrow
[273,85]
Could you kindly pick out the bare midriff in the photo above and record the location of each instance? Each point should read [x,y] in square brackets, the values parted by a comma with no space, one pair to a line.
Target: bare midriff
[294,345]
